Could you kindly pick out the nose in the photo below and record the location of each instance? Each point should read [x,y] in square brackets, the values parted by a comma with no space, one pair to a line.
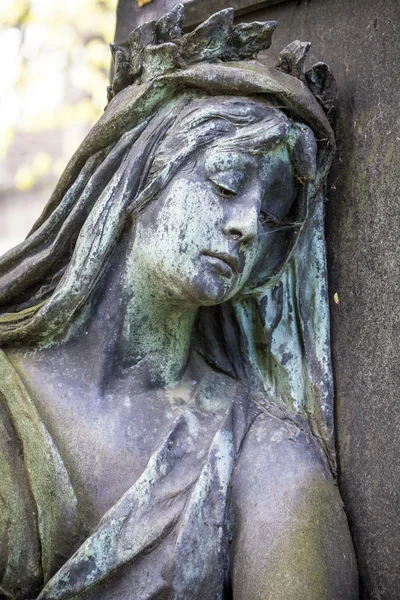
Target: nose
[241,224]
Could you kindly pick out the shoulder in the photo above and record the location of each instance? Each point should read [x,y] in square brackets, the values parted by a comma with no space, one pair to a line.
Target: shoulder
[291,534]
[280,463]
[276,451]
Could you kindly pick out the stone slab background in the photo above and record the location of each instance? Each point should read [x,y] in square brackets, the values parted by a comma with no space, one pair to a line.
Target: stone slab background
[360,39]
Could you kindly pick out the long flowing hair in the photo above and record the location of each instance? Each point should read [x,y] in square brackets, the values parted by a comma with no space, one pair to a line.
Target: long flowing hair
[274,333]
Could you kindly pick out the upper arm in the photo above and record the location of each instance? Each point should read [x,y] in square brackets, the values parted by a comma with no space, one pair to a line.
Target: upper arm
[291,534]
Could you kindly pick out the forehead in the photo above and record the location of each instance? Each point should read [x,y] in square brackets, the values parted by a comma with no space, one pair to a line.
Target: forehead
[269,165]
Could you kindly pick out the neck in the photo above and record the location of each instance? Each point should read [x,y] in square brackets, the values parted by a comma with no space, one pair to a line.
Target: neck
[137,328]
[155,335]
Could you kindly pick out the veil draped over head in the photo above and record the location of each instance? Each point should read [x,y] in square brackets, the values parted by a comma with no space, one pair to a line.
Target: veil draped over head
[47,282]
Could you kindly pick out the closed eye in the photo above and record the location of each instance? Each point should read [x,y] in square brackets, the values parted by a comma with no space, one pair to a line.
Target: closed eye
[267,219]
[223,191]
[278,224]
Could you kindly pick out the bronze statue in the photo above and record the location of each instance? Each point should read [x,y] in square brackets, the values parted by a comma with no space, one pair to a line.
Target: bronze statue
[167,421]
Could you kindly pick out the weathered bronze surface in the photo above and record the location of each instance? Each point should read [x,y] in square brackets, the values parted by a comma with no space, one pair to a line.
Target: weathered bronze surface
[165,375]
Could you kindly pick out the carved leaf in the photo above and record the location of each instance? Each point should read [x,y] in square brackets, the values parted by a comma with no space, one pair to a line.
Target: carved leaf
[169,27]
[157,60]
[291,59]
[322,84]
[248,39]
[140,37]
[210,39]
[122,77]
[114,49]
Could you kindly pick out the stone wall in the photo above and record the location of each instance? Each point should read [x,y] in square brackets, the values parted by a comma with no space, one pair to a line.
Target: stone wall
[360,39]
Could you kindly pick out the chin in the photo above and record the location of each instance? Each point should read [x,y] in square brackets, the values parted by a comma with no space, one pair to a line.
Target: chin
[209,291]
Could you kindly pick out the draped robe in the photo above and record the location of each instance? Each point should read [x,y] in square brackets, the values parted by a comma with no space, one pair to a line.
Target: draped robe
[166,537]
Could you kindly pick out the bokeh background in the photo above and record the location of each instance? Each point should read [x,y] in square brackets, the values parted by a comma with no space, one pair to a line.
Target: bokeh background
[54,69]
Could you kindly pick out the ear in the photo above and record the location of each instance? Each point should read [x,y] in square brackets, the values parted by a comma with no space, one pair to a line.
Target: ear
[322,84]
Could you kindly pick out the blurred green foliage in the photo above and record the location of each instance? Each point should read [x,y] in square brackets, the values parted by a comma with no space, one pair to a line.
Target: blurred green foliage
[54,61]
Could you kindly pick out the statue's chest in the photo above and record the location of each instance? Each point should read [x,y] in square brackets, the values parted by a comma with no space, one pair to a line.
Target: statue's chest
[106,441]
[106,437]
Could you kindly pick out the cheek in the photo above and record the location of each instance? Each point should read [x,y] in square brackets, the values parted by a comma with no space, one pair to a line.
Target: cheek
[175,228]
[190,219]
[201,217]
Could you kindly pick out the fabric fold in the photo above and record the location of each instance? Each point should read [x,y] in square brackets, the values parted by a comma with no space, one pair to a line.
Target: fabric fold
[179,497]
[56,504]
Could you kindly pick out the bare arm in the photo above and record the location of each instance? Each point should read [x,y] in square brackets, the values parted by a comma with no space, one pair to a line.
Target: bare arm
[292,539]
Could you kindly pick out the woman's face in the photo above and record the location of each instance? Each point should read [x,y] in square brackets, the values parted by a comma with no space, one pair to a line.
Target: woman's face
[222,222]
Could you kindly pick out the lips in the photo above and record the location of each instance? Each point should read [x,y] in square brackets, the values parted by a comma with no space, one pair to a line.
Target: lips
[229,260]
